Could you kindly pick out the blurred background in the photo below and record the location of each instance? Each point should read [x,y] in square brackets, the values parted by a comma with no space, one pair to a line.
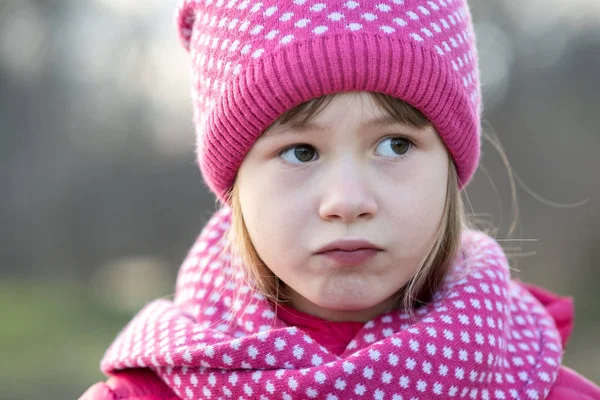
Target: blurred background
[100,192]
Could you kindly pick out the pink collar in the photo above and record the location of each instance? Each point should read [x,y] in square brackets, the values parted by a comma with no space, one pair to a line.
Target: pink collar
[332,335]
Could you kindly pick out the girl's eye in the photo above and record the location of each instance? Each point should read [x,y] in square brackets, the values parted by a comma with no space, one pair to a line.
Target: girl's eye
[393,147]
[298,154]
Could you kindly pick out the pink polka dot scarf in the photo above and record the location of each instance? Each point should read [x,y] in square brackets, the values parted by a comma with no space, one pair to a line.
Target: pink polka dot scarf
[482,337]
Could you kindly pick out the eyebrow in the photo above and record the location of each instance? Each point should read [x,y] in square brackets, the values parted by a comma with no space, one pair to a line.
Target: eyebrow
[302,128]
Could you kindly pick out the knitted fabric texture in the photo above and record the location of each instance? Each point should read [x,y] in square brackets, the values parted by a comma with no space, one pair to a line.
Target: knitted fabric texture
[482,337]
[253,60]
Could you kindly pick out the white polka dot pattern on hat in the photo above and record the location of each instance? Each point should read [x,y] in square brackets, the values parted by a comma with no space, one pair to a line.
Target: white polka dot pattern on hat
[226,42]
[483,337]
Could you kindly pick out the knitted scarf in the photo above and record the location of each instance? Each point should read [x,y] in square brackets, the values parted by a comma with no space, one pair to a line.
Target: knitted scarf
[482,336]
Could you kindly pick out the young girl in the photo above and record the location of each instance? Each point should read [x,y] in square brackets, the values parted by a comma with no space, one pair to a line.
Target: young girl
[337,136]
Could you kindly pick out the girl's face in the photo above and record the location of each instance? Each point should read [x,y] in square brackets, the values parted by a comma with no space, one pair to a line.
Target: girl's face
[350,175]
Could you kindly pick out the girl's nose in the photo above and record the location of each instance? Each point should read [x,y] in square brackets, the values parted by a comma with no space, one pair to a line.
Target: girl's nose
[347,196]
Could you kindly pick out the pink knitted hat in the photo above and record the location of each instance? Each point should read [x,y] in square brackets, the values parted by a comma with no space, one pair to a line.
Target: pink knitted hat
[253,60]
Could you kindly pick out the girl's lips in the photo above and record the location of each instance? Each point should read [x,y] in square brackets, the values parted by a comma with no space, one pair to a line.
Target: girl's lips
[348,245]
[353,257]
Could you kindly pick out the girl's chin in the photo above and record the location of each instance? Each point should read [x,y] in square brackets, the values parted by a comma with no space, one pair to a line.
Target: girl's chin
[350,308]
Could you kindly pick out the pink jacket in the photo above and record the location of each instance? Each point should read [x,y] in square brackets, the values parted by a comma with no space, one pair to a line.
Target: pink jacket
[143,384]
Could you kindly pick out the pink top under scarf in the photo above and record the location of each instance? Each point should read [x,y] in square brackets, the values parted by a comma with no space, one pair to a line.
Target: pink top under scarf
[334,336]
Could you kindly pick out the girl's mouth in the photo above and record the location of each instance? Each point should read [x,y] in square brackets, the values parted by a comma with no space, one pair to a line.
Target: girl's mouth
[349,251]
[354,257]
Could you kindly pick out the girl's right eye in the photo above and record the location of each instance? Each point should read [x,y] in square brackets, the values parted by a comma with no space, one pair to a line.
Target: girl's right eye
[299,154]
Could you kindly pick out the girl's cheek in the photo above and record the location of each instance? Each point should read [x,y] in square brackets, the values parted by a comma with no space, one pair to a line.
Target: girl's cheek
[274,189]
[286,176]
[393,172]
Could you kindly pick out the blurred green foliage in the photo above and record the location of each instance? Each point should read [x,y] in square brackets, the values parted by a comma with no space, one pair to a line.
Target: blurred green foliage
[52,338]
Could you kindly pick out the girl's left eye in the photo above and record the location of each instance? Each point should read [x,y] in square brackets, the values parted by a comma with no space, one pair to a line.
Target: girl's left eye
[299,154]
[393,147]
